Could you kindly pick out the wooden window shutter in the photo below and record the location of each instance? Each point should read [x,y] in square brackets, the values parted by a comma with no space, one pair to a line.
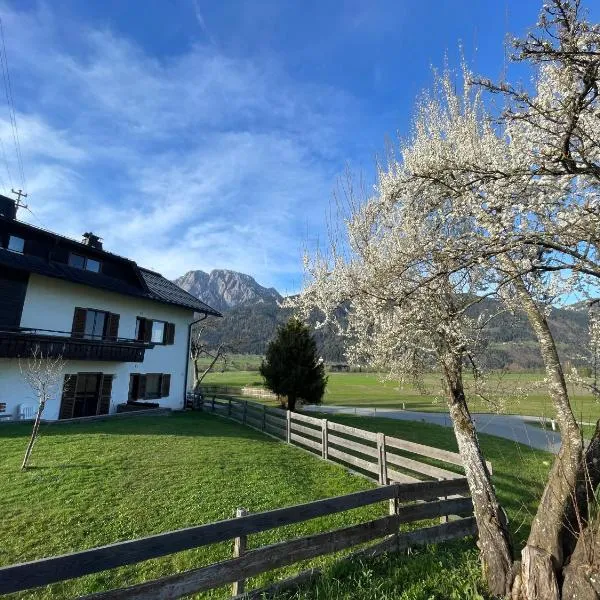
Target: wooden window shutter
[134,386]
[141,387]
[79,317]
[165,385]
[105,394]
[146,329]
[112,326]
[169,333]
[67,403]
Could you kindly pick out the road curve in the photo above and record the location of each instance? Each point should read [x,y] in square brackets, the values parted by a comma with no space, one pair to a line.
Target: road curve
[517,428]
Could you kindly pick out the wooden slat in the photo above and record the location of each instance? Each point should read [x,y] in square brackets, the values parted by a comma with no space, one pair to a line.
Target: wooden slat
[276,431]
[50,570]
[300,417]
[275,421]
[254,562]
[254,422]
[353,460]
[443,455]
[279,428]
[276,412]
[306,442]
[431,490]
[349,444]
[315,433]
[359,433]
[398,477]
[430,510]
[419,467]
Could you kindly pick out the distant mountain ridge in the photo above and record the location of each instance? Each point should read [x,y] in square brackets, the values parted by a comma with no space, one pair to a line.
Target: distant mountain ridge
[223,289]
[253,312]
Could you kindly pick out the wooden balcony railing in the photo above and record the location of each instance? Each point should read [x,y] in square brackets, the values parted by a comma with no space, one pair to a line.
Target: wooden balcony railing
[23,342]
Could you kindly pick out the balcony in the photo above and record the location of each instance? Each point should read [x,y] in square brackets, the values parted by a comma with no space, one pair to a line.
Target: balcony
[22,342]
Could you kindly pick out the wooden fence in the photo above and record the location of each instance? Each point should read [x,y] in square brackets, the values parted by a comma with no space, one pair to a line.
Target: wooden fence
[249,563]
[378,456]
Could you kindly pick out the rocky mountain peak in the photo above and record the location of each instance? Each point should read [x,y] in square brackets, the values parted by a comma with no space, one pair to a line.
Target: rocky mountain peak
[224,289]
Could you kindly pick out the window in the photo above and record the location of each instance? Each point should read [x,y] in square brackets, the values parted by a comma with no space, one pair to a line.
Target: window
[85,395]
[83,262]
[149,387]
[92,265]
[156,332]
[153,385]
[16,244]
[95,324]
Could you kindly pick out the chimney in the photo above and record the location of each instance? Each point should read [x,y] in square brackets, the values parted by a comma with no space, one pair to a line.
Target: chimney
[8,208]
[91,240]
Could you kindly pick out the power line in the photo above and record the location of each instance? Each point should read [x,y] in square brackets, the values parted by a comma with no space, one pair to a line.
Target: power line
[11,106]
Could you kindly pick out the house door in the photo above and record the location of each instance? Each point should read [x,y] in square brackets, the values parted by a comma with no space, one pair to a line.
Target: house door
[85,395]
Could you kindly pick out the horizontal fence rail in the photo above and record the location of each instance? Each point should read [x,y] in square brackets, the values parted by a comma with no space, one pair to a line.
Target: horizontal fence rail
[377,456]
[46,571]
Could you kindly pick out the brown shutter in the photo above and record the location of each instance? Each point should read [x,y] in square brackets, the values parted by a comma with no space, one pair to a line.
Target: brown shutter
[165,385]
[105,394]
[170,333]
[67,403]
[141,387]
[134,386]
[112,326]
[78,328]
[147,330]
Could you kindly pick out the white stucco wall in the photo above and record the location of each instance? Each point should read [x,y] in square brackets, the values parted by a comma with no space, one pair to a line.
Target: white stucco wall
[50,303]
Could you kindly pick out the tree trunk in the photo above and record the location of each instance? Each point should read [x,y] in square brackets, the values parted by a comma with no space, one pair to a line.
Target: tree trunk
[543,558]
[34,434]
[494,537]
[582,574]
[207,370]
[291,403]
[584,499]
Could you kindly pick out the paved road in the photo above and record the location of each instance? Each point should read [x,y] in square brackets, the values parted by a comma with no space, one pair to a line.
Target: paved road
[516,428]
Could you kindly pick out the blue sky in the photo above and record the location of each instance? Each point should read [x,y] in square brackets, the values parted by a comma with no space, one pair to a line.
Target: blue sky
[196,134]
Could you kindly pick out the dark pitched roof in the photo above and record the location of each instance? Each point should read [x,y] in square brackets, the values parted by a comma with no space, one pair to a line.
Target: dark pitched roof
[126,276]
[166,291]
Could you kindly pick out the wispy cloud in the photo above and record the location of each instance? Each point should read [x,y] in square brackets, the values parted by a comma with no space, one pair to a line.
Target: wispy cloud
[194,161]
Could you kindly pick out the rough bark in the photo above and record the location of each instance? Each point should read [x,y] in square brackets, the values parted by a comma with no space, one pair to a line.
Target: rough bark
[34,434]
[291,403]
[494,538]
[584,499]
[543,557]
[582,575]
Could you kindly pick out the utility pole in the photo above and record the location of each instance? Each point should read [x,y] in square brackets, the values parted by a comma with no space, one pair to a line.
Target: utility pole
[19,193]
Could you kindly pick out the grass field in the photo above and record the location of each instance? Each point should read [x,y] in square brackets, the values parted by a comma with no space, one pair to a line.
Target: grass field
[103,482]
[522,393]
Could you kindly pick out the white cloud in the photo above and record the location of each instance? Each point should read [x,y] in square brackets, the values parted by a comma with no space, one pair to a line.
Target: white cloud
[196,161]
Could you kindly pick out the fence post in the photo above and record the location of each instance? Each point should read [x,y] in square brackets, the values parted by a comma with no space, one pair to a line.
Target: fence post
[381,459]
[324,446]
[213,403]
[245,410]
[288,433]
[264,424]
[229,407]
[239,549]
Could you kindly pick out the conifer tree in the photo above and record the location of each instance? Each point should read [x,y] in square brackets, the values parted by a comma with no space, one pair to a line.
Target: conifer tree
[292,368]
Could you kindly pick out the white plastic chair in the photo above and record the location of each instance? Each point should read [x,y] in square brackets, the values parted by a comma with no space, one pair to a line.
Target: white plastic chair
[26,411]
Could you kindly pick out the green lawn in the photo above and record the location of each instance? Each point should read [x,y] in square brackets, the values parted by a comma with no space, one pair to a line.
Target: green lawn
[522,393]
[103,482]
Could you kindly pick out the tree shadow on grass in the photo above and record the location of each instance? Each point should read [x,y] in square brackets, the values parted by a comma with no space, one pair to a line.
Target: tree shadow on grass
[183,424]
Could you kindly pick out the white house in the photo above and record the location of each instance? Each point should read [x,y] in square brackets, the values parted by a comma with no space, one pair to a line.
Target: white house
[123,331]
